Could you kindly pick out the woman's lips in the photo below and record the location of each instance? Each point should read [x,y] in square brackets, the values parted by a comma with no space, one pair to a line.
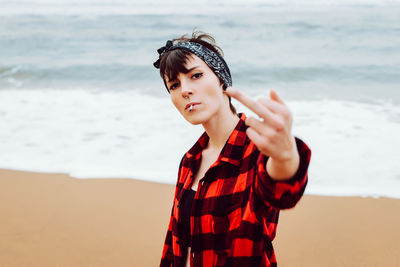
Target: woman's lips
[191,105]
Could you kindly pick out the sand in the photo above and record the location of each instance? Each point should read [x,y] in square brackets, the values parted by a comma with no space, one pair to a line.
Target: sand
[57,220]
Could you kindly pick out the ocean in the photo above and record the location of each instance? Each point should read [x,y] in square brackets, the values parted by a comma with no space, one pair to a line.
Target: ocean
[79,93]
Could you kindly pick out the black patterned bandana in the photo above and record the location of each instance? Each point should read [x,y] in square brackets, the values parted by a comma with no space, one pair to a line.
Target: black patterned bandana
[212,59]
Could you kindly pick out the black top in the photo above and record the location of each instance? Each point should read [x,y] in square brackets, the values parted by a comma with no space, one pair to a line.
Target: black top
[187,208]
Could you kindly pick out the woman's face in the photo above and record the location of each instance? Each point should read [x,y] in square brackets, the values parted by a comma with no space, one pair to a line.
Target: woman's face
[201,88]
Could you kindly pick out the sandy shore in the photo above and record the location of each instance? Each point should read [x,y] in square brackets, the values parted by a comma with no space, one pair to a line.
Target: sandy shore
[56,220]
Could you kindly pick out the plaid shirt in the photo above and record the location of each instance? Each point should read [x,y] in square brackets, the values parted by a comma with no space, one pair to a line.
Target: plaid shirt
[236,207]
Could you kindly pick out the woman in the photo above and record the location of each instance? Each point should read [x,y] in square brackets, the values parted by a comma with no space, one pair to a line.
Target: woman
[241,171]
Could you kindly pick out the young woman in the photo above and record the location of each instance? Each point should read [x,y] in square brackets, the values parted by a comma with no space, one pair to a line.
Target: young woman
[241,171]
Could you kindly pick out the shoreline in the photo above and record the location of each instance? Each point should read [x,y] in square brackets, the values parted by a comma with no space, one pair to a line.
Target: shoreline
[53,219]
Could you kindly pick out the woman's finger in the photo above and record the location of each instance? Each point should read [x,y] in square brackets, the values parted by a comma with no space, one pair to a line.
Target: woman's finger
[260,142]
[260,127]
[253,105]
[244,99]
[272,105]
[279,110]
[274,96]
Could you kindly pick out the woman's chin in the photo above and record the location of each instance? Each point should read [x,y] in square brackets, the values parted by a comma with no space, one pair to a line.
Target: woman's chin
[195,119]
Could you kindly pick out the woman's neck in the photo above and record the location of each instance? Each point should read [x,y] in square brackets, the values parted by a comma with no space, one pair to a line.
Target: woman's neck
[219,128]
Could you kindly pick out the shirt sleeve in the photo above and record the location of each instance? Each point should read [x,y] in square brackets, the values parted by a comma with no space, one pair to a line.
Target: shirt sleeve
[283,194]
[167,253]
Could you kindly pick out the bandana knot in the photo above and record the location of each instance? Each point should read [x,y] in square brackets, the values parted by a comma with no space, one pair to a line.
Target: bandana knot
[161,51]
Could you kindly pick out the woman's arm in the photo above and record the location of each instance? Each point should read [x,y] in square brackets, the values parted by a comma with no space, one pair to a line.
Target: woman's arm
[281,174]
[285,193]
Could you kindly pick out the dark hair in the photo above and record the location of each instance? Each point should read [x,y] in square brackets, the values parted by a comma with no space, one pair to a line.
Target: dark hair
[173,62]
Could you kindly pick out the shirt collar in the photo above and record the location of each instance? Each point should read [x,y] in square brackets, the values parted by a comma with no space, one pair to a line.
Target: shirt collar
[232,152]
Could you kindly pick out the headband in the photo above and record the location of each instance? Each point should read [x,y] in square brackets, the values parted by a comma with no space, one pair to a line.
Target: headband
[212,59]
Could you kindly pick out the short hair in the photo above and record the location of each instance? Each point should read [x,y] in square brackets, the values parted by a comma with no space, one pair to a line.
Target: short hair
[173,62]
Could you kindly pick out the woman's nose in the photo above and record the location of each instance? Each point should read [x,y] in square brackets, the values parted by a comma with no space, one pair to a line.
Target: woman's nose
[186,89]
[186,93]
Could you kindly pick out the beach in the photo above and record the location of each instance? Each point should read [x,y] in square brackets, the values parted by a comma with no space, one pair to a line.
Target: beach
[52,219]
[84,112]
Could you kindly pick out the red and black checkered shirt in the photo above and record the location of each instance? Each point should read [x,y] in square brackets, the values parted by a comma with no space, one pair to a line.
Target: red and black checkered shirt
[236,207]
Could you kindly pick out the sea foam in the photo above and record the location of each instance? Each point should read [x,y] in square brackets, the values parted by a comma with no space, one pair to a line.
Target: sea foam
[125,134]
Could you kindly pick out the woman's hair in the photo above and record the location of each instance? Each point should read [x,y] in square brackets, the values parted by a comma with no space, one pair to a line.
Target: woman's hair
[173,62]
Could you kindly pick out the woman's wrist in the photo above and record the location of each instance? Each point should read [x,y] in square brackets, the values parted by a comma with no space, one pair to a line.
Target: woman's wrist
[284,169]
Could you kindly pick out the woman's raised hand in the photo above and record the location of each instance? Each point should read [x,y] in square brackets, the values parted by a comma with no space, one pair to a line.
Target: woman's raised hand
[271,132]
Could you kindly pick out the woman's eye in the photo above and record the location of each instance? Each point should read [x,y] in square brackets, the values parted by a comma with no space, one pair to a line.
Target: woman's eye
[172,87]
[197,75]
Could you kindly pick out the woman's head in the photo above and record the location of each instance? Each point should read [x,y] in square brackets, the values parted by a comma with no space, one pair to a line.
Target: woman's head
[180,55]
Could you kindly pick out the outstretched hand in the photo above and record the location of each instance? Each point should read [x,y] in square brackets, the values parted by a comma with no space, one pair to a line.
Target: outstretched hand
[271,132]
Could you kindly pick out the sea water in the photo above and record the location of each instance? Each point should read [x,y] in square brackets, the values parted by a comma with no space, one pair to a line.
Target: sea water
[79,93]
